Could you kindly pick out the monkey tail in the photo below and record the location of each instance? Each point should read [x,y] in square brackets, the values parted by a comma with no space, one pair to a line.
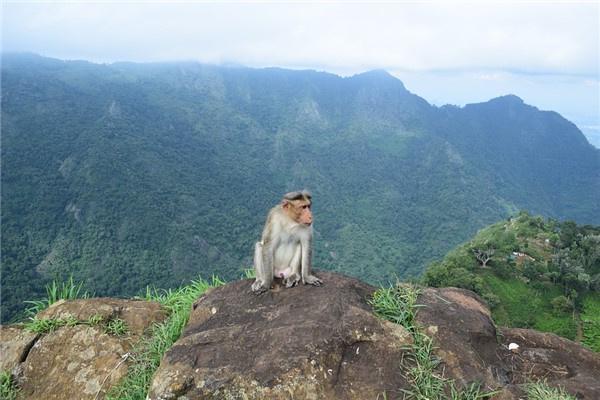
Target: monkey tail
[258,259]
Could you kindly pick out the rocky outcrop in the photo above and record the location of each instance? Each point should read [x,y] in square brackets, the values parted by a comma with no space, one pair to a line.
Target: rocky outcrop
[553,358]
[300,343]
[81,361]
[472,350]
[303,343]
[325,343]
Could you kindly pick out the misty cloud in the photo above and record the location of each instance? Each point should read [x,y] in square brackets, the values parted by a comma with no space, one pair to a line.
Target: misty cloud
[547,53]
[549,37]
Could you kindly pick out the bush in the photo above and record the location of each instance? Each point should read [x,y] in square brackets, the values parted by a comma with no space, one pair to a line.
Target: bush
[561,304]
[491,299]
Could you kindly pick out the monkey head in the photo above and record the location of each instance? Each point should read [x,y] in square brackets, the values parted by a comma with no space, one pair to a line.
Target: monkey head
[297,206]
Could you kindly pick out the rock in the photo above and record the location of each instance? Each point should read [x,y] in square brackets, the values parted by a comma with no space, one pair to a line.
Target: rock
[559,361]
[73,363]
[304,343]
[467,344]
[15,343]
[301,343]
[76,362]
[137,314]
[463,332]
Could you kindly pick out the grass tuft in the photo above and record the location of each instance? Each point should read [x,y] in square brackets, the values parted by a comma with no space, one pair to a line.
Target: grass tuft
[396,304]
[541,391]
[148,353]
[116,327]
[47,325]
[55,291]
[8,387]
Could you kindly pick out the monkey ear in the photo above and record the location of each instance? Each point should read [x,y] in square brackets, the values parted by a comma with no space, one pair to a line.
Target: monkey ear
[285,203]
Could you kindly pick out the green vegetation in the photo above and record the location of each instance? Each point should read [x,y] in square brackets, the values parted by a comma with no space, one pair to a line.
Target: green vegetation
[8,389]
[398,304]
[46,325]
[148,353]
[128,175]
[590,316]
[55,291]
[116,327]
[541,391]
[534,273]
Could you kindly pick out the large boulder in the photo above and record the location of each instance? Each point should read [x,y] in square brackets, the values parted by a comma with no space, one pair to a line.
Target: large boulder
[77,362]
[304,343]
[325,343]
[557,360]
[472,350]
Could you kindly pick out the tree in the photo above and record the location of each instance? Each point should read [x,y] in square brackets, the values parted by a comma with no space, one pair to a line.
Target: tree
[562,304]
[483,254]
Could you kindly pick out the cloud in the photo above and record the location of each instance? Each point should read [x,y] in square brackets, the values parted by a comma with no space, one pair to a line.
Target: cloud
[548,37]
[457,53]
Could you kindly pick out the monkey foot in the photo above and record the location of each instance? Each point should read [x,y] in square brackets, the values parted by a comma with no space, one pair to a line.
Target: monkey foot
[258,288]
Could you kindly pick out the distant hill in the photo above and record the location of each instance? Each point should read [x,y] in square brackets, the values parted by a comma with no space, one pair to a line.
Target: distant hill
[126,175]
[534,273]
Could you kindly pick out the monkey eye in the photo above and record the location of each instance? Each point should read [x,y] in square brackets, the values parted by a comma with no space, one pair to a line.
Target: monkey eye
[304,207]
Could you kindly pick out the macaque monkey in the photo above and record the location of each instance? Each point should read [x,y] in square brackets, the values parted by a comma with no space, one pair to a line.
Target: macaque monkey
[285,250]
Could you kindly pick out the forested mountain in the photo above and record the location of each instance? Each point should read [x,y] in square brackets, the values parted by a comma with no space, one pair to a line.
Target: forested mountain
[127,174]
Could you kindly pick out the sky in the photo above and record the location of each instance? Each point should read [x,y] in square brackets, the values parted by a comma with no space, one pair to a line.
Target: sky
[448,52]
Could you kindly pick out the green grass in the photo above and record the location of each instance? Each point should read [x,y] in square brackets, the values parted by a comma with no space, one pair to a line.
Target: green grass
[523,306]
[147,354]
[541,391]
[590,316]
[398,304]
[427,383]
[8,388]
[116,327]
[47,325]
[55,291]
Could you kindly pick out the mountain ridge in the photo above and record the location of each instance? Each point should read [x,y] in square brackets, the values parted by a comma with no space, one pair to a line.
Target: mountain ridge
[135,174]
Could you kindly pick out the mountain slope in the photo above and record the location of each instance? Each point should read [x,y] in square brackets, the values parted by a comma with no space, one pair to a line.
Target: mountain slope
[127,174]
[534,273]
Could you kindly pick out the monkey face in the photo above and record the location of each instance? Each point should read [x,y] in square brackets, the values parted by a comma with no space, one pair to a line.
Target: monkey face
[299,211]
[305,214]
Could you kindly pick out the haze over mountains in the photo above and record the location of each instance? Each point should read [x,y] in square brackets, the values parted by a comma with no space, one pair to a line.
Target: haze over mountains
[133,174]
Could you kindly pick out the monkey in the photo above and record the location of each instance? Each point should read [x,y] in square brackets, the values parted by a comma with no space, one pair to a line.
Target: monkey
[285,249]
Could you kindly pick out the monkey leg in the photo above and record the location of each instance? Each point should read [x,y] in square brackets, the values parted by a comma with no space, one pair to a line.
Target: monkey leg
[295,265]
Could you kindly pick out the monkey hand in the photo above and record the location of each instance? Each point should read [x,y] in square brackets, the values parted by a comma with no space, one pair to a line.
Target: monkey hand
[292,280]
[312,280]
[258,287]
